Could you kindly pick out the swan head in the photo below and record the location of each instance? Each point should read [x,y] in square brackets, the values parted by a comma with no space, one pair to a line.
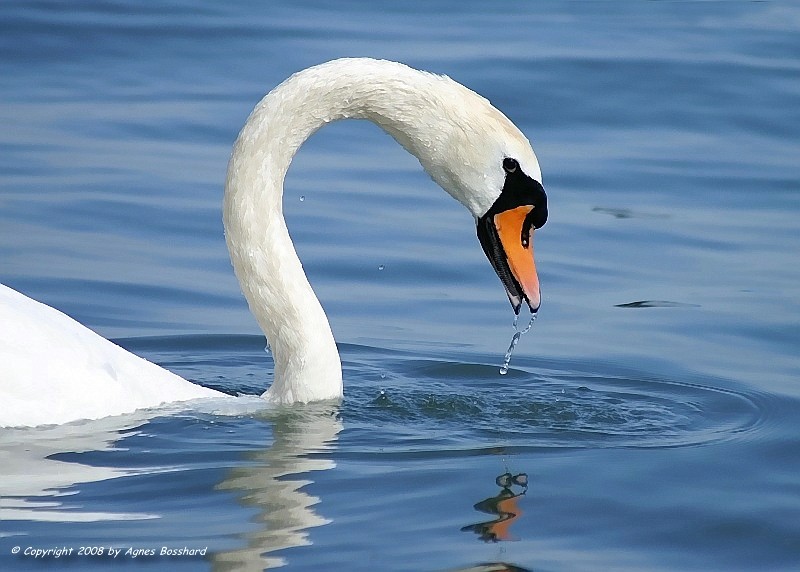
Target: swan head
[483,160]
[506,230]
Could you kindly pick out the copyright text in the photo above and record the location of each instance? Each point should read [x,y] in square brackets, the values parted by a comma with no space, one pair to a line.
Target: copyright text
[108,552]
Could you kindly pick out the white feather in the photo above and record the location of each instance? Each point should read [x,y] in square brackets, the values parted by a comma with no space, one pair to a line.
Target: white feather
[54,370]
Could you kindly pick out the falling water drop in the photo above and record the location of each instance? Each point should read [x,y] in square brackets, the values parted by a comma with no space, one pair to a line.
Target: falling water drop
[509,351]
[530,324]
[382,398]
[517,334]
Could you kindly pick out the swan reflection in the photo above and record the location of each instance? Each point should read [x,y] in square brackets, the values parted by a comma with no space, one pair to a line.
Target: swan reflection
[274,486]
[33,483]
[38,486]
[503,505]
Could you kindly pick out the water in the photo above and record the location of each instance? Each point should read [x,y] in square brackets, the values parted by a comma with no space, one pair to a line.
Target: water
[656,410]
[514,341]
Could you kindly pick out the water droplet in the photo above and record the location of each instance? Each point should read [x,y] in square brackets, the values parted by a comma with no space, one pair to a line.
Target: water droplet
[514,340]
[382,398]
[530,324]
[381,266]
[509,351]
[302,198]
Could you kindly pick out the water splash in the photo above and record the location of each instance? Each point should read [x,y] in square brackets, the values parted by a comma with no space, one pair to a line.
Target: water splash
[514,340]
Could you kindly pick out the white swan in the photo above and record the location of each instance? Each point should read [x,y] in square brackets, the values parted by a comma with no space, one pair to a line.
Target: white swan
[54,370]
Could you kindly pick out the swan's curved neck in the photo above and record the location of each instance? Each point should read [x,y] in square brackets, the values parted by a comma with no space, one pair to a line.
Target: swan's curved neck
[307,365]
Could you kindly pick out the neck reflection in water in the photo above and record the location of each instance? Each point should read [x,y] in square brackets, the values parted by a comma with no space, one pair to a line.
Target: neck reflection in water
[274,486]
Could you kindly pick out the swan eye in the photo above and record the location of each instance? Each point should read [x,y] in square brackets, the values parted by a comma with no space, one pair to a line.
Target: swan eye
[510,165]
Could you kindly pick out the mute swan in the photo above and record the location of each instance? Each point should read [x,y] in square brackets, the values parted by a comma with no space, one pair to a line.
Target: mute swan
[53,370]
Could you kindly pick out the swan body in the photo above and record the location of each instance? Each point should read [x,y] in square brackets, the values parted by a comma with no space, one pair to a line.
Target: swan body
[54,370]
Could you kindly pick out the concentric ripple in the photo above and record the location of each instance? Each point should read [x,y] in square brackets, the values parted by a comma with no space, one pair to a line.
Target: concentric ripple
[440,403]
[451,406]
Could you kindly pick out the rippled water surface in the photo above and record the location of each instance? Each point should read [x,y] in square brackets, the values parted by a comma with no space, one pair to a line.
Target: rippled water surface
[650,418]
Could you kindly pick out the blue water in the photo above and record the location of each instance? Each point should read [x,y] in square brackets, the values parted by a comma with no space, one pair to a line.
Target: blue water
[654,406]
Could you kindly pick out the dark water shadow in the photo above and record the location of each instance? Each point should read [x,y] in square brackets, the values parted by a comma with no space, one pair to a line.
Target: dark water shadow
[656,304]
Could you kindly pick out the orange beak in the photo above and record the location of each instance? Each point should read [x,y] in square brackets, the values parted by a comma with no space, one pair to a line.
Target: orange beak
[517,242]
[507,240]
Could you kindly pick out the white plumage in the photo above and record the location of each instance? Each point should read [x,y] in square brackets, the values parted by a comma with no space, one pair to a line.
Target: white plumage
[54,370]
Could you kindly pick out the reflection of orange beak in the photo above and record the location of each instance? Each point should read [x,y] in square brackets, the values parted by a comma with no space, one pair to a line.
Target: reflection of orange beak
[516,238]
[509,512]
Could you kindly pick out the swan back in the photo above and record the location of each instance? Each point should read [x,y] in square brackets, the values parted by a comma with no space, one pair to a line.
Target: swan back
[54,370]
